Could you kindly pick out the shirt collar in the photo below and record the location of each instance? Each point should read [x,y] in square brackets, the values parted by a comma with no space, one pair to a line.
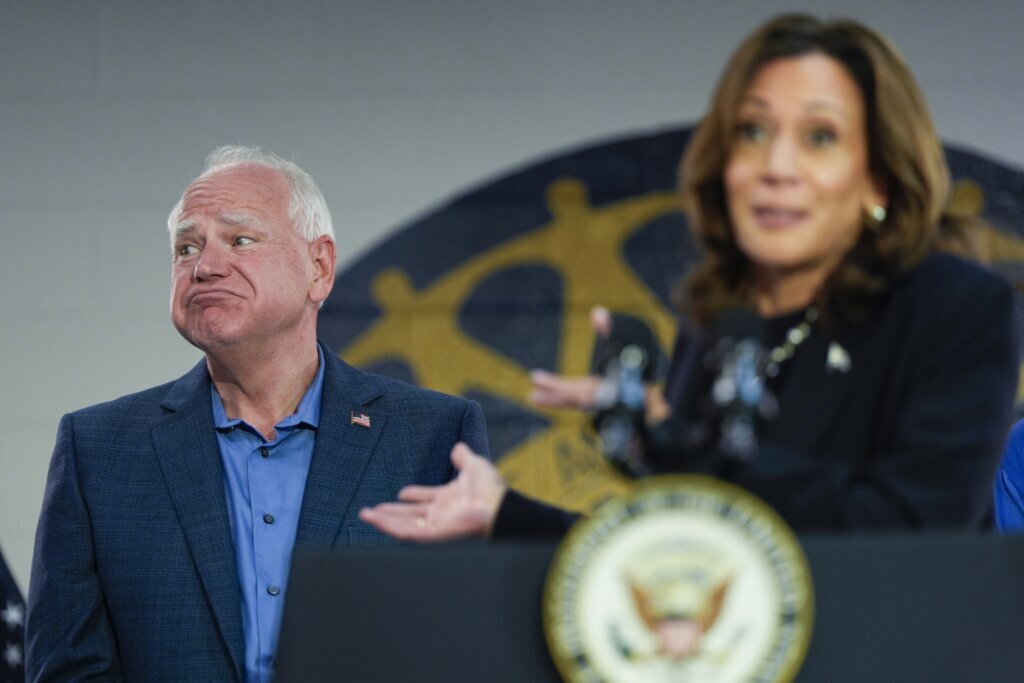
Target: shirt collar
[307,414]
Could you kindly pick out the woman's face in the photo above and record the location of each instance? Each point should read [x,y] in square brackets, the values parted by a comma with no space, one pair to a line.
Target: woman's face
[797,180]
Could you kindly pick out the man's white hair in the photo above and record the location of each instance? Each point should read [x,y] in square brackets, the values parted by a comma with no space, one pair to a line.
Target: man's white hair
[307,208]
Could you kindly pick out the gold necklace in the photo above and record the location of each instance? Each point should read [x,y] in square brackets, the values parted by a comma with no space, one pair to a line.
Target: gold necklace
[795,336]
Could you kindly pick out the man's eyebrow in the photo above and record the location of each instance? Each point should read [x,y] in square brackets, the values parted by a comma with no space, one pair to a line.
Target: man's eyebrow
[243,220]
[183,227]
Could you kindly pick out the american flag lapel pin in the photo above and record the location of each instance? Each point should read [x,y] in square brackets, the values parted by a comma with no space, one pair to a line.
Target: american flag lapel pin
[361,419]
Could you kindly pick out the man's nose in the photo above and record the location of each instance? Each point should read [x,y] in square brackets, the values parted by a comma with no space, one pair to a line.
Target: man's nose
[212,262]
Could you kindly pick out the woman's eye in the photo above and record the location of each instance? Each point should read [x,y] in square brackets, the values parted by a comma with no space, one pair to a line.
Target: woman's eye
[820,137]
[752,132]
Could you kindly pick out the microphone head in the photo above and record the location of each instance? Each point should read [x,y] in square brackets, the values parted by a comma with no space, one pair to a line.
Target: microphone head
[736,360]
[737,323]
[622,331]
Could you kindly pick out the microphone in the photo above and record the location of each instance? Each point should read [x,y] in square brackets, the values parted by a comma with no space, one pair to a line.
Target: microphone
[728,398]
[721,411]
[739,395]
[616,331]
[738,401]
[620,401]
[627,356]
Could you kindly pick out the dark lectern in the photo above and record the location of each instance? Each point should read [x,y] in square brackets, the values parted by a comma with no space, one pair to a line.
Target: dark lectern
[894,608]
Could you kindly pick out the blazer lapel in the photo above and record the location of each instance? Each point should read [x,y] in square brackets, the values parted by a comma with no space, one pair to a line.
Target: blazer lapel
[187,450]
[342,452]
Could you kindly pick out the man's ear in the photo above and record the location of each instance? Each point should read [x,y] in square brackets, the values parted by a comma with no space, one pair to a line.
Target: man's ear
[322,254]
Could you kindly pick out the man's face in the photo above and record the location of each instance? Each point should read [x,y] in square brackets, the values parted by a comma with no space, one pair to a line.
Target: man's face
[240,271]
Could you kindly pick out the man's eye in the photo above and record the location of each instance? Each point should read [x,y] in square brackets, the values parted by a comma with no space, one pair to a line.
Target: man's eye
[185,250]
[242,241]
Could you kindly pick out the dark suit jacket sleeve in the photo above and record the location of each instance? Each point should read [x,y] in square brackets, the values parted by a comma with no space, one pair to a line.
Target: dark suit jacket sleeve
[937,432]
[68,633]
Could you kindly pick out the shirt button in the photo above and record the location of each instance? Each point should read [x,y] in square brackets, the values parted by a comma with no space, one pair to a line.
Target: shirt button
[273,590]
[268,518]
[265,452]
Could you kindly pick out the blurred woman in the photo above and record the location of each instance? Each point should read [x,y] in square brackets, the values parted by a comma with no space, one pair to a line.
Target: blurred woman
[816,184]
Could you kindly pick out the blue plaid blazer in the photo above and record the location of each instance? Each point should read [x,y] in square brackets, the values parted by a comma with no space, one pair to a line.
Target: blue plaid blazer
[134,573]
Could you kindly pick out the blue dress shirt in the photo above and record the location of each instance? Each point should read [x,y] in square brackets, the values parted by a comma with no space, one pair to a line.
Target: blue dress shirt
[1009,485]
[265,481]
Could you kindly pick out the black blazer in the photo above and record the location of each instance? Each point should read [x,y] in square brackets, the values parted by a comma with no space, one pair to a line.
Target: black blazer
[909,436]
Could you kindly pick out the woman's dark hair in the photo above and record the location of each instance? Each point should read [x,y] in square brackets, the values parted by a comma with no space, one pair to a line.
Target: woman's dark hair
[904,154]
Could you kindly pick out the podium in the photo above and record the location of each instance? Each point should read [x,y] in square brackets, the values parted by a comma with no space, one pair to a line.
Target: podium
[895,607]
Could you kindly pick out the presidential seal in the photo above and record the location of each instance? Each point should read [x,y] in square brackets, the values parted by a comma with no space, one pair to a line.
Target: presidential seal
[684,579]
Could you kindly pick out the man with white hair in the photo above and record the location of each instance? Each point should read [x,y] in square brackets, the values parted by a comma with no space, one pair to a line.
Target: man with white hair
[170,515]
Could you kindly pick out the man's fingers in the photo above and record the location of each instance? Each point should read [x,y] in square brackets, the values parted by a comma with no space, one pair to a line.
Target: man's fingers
[462,455]
[398,509]
[418,494]
[399,520]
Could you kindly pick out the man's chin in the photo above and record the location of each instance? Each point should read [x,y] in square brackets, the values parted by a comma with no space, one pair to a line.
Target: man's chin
[208,340]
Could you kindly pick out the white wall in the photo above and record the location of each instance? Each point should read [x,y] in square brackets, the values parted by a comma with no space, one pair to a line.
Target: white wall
[107,108]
